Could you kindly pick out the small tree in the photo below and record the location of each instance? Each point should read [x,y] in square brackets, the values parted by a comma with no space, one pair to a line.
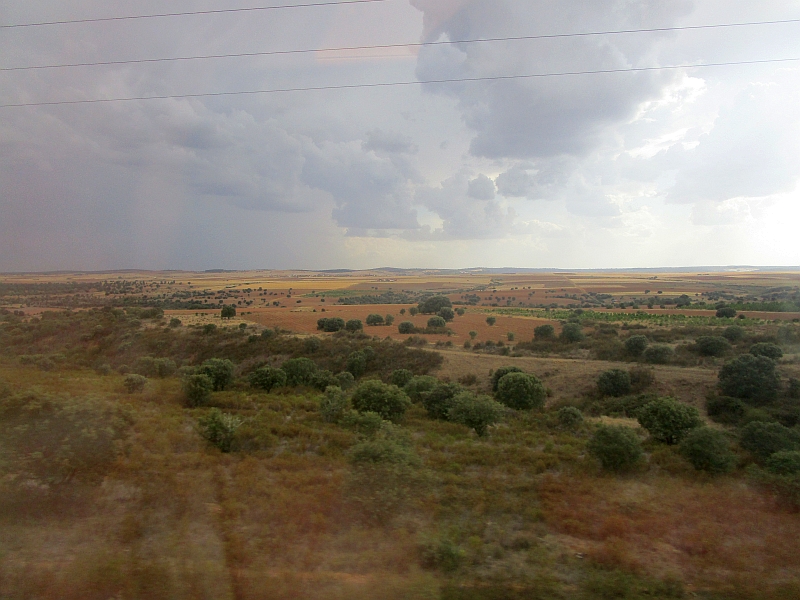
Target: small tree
[726,312]
[406,328]
[219,370]
[331,324]
[267,378]
[373,320]
[473,335]
[333,405]
[751,378]
[772,351]
[572,332]
[501,372]
[616,447]
[733,333]
[438,401]
[544,332]
[476,412]
[219,428]
[570,416]
[299,371]
[357,363]
[447,313]
[228,312]
[400,377]
[345,380]
[784,462]
[712,345]
[490,321]
[635,345]
[389,319]
[386,400]
[432,305]
[667,420]
[354,326]
[521,391]
[134,383]
[614,382]
[436,323]
[708,450]
[413,311]
[765,439]
[658,354]
[418,385]
[197,389]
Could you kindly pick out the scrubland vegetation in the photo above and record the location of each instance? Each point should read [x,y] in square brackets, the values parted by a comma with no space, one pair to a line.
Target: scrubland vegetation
[144,458]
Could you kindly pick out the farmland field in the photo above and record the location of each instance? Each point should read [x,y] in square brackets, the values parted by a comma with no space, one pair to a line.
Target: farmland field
[121,480]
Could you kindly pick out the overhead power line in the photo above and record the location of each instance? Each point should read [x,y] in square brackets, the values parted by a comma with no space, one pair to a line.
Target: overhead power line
[396,46]
[401,83]
[188,13]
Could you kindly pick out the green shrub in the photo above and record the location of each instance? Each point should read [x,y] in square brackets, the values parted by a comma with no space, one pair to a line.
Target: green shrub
[334,404]
[197,389]
[389,319]
[299,371]
[668,420]
[387,400]
[490,321]
[751,378]
[446,313]
[345,380]
[432,305]
[219,428]
[406,328]
[708,450]
[373,320]
[521,391]
[367,423]
[175,322]
[544,332]
[569,416]
[322,379]
[357,363]
[784,462]
[614,382]
[616,447]
[572,332]
[134,383]
[354,325]
[474,411]
[400,377]
[439,400]
[765,439]
[502,371]
[726,312]
[330,325]
[772,351]
[635,345]
[712,345]
[641,378]
[419,385]
[267,378]
[219,370]
[443,555]
[473,334]
[658,354]
[436,323]
[724,409]
[733,333]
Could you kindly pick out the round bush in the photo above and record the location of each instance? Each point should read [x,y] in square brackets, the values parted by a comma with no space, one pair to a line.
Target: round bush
[785,462]
[197,389]
[476,412]
[447,313]
[438,401]
[765,439]
[635,345]
[572,332]
[220,370]
[668,420]
[658,354]
[406,328]
[544,332]
[386,400]
[267,378]
[134,383]
[712,345]
[322,379]
[724,409]
[436,322]
[418,385]
[330,325]
[501,372]
[354,325]
[614,382]
[616,447]
[400,377]
[299,371]
[333,405]
[708,450]
[772,351]
[357,363]
[490,321]
[432,305]
[733,333]
[374,320]
[345,380]
[521,391]
[751,378]
[570,416]
[726,312]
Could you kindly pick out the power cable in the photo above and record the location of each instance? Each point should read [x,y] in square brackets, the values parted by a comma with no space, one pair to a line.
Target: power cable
[395,46]
[187,13]
[400,83]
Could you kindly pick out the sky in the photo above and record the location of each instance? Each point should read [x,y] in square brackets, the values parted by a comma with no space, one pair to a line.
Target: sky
[657,168]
